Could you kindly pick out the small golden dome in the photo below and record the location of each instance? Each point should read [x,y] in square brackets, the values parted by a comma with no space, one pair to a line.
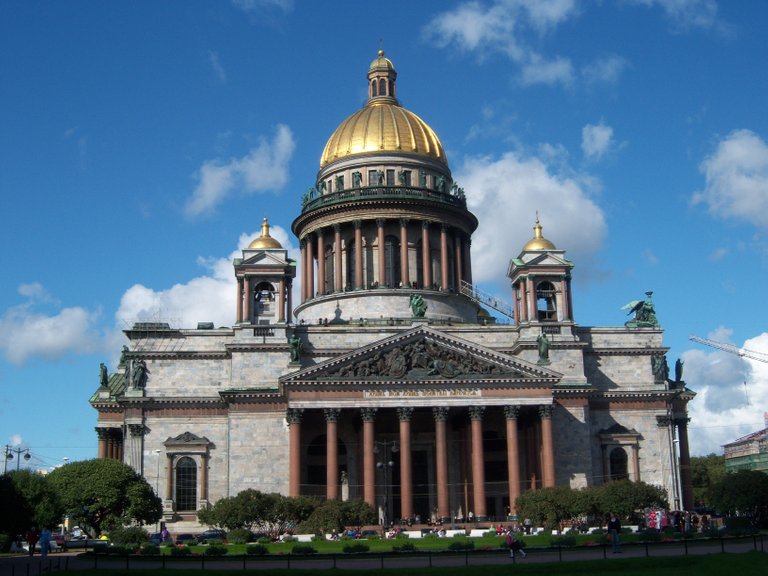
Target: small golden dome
[265,241]
[538,242]
[382,125]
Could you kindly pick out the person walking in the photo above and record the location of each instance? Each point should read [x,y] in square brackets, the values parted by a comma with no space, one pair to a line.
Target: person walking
[45,542]
[514,545]
[614,529]
[32,538]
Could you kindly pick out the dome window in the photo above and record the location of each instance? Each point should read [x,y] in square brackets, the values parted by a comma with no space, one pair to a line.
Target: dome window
[382,87]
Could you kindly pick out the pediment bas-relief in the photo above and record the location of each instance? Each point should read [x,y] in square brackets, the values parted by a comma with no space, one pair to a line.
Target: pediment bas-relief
[422,359]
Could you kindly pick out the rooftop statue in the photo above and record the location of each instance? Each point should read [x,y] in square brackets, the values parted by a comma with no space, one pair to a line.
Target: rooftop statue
[418,306]
[294,342]
[644,311]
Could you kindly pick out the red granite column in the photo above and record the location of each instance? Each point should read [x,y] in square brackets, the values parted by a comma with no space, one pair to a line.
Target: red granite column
[459,262]
[289,301]
[468,260]
[444,256]
[441,462]
[382,278]
[281,301]
[358,255]
[564,298]
[102,435]
[478,463]
[293,417]
[516,304]
[239,300]
[338,281]
[404,277]
[247,300]
[426,255]
[369,457]
[303,271]
[524,298]
[548,449]
[406,470]
[310,266]
[511,413]
[332,454]
[321,287]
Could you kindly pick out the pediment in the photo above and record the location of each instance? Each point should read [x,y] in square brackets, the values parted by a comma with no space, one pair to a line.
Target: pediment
[424,354]
[187,439]
[264,259]
[548,259]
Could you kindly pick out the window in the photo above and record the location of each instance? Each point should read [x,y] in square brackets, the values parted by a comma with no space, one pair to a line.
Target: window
[618,463]
[373,88]
[186,485]
[391,262]
[351,263]
[373,177]
[382,87]
[390,177]
[546,306]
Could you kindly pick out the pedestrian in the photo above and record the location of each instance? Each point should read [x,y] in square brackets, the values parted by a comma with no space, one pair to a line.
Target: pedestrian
[514,545]
[45,542]
[32,538]
[614,529]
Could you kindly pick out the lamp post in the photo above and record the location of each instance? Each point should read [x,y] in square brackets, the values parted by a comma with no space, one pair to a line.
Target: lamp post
[385,465]
[157,480]
[10,451]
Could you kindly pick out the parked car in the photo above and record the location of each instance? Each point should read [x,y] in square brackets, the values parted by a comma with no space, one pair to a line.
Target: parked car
[185,539]
[209,535]
[156,538]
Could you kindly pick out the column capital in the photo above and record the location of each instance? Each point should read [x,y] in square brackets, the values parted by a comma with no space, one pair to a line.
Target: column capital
[331,414]
[425,224]
[358,224]
[337,228]
[440,413]
[444,227]
[476,412]
[380,222]
[511,412]
[102,433]
[368,414]
[404,222]
[681,421]
[545,410]
[137,429]
[293,415]
[404,414]
[663,421]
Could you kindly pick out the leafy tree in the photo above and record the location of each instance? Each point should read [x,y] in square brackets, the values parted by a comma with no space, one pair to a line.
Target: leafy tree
[625,498]
[101,493]
[16,511]
[705,472]
[336,515]
[744,492]
[45,508]
[550,507]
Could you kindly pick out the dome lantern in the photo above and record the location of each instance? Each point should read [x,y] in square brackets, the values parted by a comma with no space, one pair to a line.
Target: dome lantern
[538,242]
[265,241]
[381,80]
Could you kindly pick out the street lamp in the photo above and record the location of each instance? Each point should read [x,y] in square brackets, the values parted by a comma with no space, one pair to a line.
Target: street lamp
[10,451]
[385,465]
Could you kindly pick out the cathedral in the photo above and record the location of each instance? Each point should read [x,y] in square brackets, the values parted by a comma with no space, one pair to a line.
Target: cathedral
[389,380]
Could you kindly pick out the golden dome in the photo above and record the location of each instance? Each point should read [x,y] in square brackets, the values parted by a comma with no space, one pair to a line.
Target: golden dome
[265,241]
[382,125]
[538,242]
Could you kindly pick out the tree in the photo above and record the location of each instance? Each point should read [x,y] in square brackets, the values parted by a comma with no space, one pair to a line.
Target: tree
[45,508]
[17,512]
[336,515]
[551,507]
[626,498]
[743,493]
[705,472]
[102,493]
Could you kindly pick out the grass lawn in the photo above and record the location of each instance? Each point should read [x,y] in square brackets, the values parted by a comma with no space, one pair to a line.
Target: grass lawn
[747,564]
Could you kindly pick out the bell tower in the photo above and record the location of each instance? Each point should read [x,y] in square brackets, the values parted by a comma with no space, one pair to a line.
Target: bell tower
[541,282]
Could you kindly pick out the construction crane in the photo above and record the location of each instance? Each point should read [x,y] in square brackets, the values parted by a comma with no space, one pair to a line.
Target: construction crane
[744,353]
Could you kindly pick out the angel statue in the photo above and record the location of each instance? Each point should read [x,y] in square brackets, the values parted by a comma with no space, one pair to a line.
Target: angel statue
[644,311]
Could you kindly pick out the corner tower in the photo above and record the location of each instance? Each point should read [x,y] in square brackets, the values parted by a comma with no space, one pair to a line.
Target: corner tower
[384,223]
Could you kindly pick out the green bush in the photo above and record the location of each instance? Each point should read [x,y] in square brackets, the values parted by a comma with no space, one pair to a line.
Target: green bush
[148,549]
[463,544]
[5,543]
[239,536]
[216,550]
[567,540]
[215,541]
[264,540]
[402,536]
[128,536]
[404,547]
[256,549]
[181,551]
[116,550]
[355,547]
[290,538]
[303,549]
[490,533]
[650,535]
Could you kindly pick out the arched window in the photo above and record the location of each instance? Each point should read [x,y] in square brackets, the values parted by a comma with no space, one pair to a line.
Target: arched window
[618,463]
[373,88]
[186,485]
[382,87]
[546,303]
[391,261]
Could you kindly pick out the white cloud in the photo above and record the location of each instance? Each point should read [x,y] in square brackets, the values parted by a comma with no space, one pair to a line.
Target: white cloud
[731,393]
[686,14]
[604,70]
[736,176]
[207,298]
[505,193]
[218,69]
[26,332]
[596,140]
[539,70]
[263,168]
[499,26]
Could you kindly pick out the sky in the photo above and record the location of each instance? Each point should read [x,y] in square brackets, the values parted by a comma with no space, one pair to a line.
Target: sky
[142,143]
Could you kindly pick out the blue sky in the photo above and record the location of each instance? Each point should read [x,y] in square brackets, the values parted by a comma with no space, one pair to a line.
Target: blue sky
[141,143]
